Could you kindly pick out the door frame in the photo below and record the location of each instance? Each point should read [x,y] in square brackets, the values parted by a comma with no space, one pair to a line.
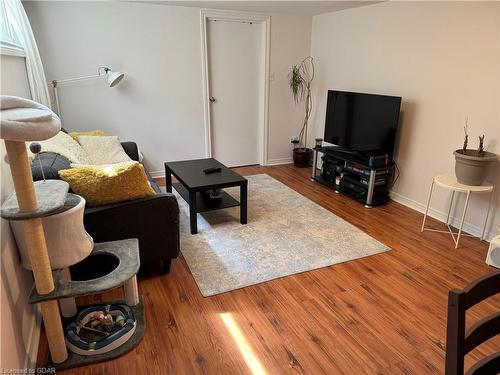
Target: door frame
[223,15]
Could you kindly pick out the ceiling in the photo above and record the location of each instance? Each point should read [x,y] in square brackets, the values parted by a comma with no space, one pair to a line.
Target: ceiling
[309,8]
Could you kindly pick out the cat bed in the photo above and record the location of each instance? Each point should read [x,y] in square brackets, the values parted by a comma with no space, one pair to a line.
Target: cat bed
[63,230]
[83,342]
[25,120]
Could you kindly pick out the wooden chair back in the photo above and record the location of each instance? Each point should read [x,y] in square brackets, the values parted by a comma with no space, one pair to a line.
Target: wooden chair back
[459,340]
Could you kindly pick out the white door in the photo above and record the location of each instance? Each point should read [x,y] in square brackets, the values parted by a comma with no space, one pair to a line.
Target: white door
[236,76]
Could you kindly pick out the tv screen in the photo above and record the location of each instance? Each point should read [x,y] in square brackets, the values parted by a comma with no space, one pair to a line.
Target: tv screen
[360,122]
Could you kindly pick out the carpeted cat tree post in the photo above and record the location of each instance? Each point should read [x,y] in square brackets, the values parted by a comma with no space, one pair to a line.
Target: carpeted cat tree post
[24,120]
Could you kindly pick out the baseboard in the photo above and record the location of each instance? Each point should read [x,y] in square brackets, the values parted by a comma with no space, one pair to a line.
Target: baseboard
[440,215]
[161,173]
[279,161]
[34,339]
[157,174]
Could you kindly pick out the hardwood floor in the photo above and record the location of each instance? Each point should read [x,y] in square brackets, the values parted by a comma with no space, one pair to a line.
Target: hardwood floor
[385,314]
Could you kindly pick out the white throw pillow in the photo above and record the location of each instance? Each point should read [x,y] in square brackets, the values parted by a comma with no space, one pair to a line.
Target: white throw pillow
[103,150]
[65,145]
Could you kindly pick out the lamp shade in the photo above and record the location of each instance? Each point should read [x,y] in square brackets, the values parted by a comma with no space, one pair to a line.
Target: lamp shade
[114,78]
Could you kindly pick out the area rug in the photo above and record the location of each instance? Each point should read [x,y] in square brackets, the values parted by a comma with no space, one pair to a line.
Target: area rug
[286,234]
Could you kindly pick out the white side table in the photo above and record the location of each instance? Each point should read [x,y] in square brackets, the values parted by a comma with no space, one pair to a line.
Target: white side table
[450,182]
[493,257]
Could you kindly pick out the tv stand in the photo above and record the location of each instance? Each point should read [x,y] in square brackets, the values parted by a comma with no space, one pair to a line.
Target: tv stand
[359,176]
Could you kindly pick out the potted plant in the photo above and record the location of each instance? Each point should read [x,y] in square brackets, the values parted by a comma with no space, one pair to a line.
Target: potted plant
[299,80]
[471,166]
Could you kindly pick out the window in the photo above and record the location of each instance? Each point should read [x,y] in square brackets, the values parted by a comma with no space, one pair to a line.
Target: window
[16,38]
[8,24]
[9,39]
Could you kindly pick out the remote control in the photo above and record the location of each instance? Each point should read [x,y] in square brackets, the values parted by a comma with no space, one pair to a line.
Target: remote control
[212,170]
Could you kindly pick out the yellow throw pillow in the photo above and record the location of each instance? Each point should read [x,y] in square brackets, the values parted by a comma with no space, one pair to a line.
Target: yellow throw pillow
[104,184]
[97,132]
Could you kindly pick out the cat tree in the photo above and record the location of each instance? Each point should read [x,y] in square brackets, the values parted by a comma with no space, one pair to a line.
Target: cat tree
[23,120]
[44,208]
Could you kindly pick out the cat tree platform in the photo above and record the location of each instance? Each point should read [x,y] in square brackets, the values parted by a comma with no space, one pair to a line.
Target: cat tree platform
[51,196]
[113,264]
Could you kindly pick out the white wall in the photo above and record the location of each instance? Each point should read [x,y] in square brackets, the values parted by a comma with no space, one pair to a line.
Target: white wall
[159,104]
[290,43]
[19,320]
[443,59]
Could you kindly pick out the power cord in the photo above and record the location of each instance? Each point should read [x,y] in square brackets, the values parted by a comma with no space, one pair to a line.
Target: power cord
[397,174]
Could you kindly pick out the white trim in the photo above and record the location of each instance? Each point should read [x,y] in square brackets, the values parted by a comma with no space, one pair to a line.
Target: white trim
[440,215]
[265,136]
[208,14]
[34,339]
[157,174]
[204,75]
[11,49]
[280,161]
[161,173]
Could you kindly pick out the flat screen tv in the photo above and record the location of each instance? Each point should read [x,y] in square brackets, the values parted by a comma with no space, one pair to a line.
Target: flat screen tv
[362,123]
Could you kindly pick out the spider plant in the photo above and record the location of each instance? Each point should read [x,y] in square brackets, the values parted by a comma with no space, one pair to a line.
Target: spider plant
[300,79]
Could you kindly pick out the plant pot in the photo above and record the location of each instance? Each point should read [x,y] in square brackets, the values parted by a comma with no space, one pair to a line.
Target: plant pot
[302,157]
[471,169]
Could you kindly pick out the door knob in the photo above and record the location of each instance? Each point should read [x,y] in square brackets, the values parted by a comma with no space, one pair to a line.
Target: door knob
[212,99]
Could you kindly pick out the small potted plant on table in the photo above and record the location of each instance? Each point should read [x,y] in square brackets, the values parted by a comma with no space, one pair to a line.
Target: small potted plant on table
[471,166]
[299,80]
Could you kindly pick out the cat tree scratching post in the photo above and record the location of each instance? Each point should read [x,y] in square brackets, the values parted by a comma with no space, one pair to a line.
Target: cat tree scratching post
[24,120]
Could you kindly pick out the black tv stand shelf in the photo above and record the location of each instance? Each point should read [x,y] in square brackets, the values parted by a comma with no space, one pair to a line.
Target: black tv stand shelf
[354,174]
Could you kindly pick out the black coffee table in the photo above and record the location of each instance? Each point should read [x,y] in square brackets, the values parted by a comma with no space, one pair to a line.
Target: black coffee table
[193,181]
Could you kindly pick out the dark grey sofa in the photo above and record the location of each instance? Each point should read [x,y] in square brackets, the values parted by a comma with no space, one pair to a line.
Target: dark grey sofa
[153,220]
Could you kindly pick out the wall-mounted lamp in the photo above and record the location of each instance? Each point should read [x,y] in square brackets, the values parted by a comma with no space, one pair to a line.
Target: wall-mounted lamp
[113,78]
